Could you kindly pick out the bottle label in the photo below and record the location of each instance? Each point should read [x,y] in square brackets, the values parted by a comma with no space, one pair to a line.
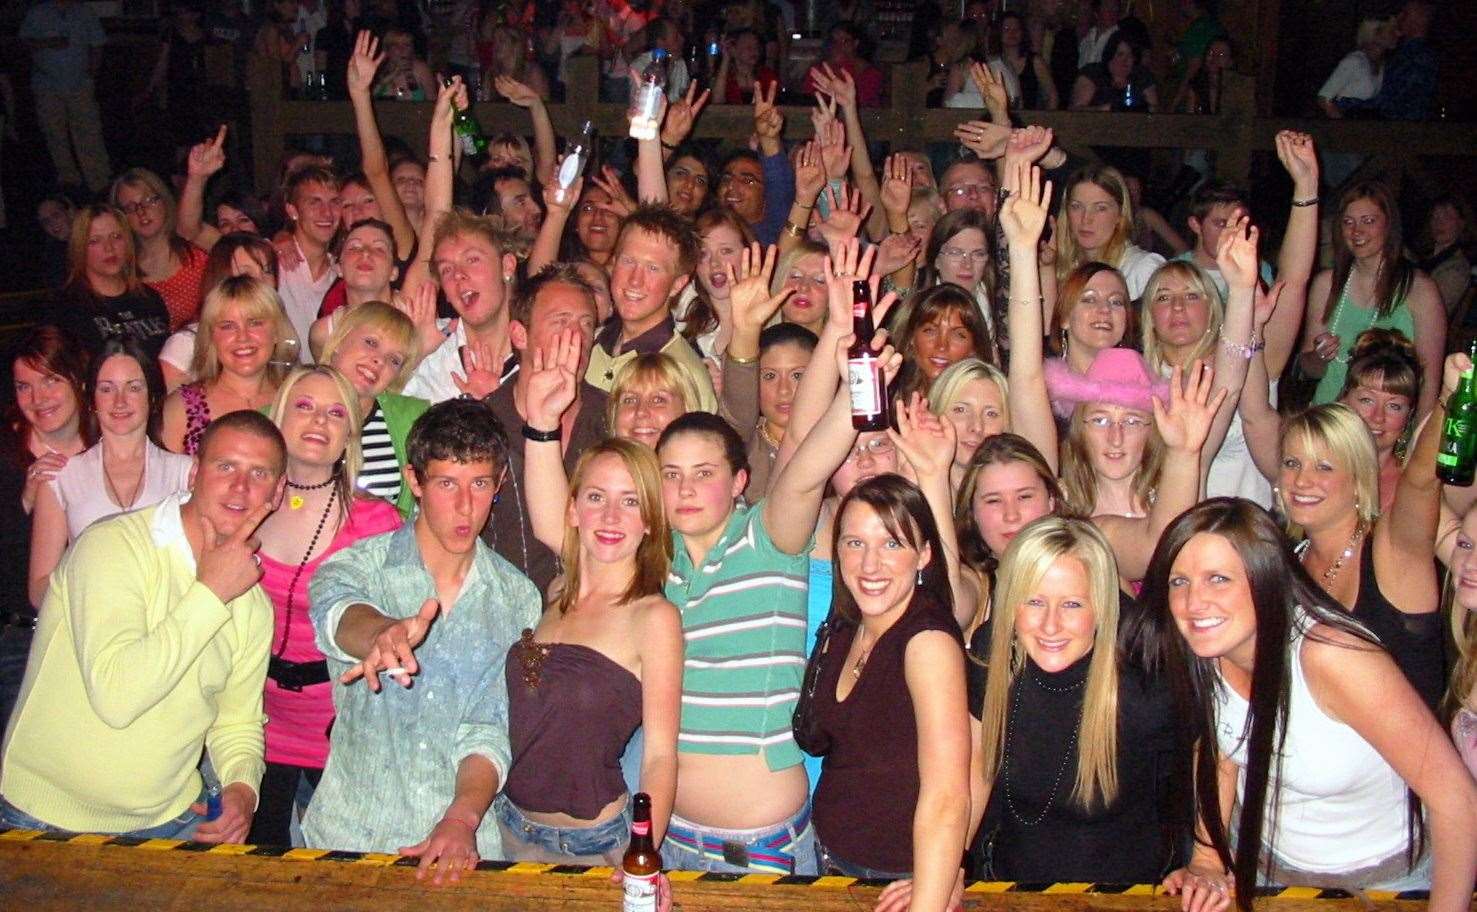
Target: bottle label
[865,382]
[641,828]
[1454,443]
[639,892]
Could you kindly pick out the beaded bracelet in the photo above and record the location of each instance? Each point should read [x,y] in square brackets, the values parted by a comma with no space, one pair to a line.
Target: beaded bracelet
[1245,351]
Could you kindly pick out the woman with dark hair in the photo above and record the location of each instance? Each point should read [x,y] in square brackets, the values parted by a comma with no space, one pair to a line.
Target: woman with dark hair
[45,427]
[104,297]
[889,699]
[167,263]
[323,511]
[939,327]
[1304,721]
[125,470]
[1120,82]
[605,659]
[1371,284]
[1038,91]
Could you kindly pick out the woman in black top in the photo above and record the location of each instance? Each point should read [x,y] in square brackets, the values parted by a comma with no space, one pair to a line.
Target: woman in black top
[1081,761]
[1038,91]
[104,297]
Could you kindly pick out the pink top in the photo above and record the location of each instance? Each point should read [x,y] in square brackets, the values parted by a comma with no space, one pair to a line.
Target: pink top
[297,721]
[1464,733]
[181,291]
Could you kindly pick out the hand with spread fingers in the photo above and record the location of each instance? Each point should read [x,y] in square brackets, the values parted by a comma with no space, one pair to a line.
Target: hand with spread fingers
[552,381]
[848,212]
[750,303]
[393,649]
[363,64]
[479,378]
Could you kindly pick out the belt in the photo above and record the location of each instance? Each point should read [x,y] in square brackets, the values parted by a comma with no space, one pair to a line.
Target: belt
[295,676]
[767,853]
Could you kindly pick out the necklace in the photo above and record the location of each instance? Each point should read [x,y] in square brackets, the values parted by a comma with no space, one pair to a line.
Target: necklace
[1005,752]
[296,501]
[113,489]
[1332,572]
[764,433]
[298,573]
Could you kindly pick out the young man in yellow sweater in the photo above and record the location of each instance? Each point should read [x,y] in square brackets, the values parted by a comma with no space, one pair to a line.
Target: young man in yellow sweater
[152,644]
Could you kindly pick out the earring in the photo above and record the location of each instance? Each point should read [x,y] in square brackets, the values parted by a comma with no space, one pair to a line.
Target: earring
[1064,340]
[920,576]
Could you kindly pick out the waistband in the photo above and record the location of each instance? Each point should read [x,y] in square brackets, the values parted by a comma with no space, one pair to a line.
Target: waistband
[768,849]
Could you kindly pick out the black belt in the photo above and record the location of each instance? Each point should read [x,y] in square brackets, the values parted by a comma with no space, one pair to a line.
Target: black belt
[295,676]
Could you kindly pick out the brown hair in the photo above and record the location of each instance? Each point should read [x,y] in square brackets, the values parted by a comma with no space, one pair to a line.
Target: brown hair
[1393,281]
[77,248]
[665,223]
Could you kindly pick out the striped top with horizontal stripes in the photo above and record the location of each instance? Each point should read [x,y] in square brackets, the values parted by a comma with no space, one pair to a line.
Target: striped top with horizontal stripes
[380,472]
[743,621]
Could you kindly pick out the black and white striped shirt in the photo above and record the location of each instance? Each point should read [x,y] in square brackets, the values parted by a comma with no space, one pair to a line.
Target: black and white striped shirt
[380,473]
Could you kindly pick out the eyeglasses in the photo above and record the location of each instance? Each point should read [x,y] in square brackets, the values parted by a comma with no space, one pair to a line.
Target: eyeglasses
[148,202]
[1127,422]
[970,191]
[957,253]
[876,447]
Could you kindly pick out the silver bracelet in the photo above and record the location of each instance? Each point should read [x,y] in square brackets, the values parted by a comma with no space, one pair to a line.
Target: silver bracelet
[1247,351]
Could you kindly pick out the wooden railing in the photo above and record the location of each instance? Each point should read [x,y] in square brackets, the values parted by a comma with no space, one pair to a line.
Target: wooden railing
[905,123]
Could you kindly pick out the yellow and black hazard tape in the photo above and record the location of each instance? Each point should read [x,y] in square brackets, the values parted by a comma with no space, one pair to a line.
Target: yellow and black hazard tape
[677,877]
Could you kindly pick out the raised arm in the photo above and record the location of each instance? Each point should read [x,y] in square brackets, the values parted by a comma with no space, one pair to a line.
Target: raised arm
[680,117]
[558,204]
[440,179]
[651,174]
[1299,248]
[553,385]
[794,502]
[363,63]
[1236,255]
[1183,427]
[1409,528]
[205,160]
[1429,316]
[1260,423]
[1022,218]
[810,179]
[842,89]
[544,144]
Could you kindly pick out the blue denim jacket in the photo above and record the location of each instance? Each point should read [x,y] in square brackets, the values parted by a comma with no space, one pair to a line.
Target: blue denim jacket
[393,755]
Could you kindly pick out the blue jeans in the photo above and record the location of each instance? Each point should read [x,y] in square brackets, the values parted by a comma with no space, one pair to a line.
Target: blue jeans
[15,647]
[527,840]
[787,847]
[181,827]
[831,865]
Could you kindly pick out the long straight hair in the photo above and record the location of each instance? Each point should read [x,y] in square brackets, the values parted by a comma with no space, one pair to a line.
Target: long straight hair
[654,554]
[1394,279]
[1033,552]
[907,517]
[1285,599]
[1079,478]
[1070,254]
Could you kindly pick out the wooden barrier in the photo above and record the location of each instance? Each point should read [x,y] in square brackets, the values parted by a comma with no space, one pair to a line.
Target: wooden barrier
[40,873]
[1235,133]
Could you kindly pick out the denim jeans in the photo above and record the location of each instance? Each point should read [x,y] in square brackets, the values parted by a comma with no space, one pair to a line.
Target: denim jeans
[527,840]
[15,648]
[692,847]
[831,865]
[181,827]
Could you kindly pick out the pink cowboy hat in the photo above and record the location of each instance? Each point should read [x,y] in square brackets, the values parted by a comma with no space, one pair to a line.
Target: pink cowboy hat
[1118,376]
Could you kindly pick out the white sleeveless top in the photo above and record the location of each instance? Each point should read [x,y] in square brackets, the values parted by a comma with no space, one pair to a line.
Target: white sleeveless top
[82,489]
[1233,473]
[1343,807]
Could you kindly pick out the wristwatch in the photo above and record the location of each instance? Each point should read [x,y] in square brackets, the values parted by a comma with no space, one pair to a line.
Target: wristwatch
[538,436]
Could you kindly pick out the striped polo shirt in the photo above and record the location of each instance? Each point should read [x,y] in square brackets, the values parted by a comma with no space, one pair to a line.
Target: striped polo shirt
[743,621]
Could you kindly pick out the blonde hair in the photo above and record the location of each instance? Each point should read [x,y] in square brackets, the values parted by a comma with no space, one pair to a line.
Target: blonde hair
[385,319]
[949,385]
[654,554]
[787,261]
[1340,431]
[1464,674]
[77,247]
[1069,254]
[1198,280]
[1079,478]
[148,182]
[257,300]
[654,370]
[1033,552]
[353,457]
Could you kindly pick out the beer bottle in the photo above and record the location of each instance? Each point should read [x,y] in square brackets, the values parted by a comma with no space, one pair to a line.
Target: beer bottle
[1457,458]
[641,864]
[869,406]
[467,130]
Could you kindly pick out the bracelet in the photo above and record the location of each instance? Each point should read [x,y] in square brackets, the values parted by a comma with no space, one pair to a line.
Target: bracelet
[737,360]
[1026,302]
[794,230]
[1246,351]
[538,436]
[669,148]
[1304,203]
[806,206]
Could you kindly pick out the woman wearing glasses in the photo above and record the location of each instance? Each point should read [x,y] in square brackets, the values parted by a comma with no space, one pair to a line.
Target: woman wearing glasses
[167,263]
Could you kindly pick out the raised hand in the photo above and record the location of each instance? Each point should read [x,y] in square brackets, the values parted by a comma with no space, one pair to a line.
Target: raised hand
[1185,422]
[421,309]
[1457,363]
[810,174]
[208,157]
[553,383]
[450,850]
[1265,303]
[682,114]
[1235,252]
[925,440]
[451,92]
[557,197]
[769,123]
[897,186]
[749,301]
[897,251]
[609,180]
[1028,143]
[835,153]
[890,357]
[393,649]
[985,139]
[848,211]
[516,92]
[836,83]
[992,89]
[847,263]
[228,566]
[1299,156]
[1023,214]
[480,377]
[363,63]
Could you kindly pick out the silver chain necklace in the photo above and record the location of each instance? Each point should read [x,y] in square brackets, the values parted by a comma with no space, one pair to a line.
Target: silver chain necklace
[1005,758]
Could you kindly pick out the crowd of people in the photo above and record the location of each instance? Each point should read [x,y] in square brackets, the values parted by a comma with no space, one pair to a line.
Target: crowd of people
[468,496]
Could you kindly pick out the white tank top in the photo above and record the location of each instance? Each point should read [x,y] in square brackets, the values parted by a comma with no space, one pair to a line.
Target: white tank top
[1342,807]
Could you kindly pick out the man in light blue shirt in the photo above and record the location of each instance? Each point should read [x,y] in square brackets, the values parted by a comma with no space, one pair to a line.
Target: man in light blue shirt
[64,37]
[415,761]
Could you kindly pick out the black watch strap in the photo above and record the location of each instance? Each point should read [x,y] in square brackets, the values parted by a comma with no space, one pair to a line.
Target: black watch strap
[538,436]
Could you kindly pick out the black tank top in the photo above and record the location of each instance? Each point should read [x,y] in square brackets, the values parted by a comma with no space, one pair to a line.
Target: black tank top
[1414,641]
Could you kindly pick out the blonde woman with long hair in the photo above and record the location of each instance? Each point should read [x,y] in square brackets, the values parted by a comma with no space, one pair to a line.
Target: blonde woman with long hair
[1095,223]
[605,658]
[1460,704]
[1078,747]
